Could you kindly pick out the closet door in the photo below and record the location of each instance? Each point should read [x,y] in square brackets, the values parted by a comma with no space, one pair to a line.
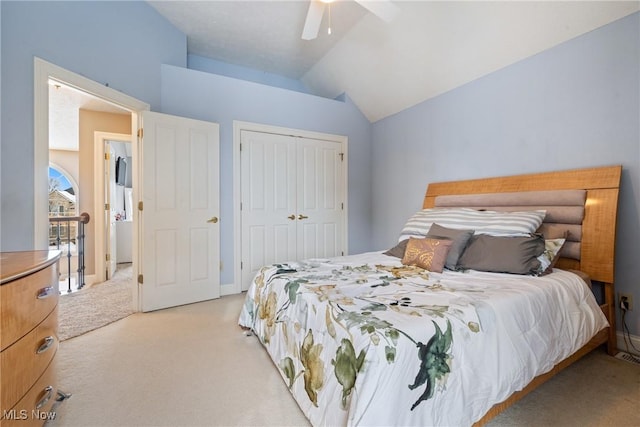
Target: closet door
[319,201]
[292,200]
[268,201]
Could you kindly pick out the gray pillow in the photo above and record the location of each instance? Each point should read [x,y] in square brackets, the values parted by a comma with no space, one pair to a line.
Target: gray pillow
[398,250]
[504,254]
[460,238]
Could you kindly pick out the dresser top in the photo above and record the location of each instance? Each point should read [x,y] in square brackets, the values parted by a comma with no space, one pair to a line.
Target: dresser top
[14,265]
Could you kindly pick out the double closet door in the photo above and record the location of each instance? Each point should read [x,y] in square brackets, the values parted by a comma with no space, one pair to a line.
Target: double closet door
[293,192]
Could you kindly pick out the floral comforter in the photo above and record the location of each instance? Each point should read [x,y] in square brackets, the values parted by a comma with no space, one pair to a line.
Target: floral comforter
[364,340]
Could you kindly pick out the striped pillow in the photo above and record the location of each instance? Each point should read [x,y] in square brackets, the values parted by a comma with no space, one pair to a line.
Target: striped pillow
[482,222]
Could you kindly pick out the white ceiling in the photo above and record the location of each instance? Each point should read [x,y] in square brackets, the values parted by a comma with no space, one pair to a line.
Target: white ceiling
[430,48]
[265,35]
[64,106]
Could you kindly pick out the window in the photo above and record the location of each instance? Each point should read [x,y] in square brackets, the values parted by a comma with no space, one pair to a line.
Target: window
[62,198]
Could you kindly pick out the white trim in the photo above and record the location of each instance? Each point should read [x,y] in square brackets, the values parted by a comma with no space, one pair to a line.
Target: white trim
[635,340]
[228,289]
[99,139]
[44,71]
[239,126]
[90,280]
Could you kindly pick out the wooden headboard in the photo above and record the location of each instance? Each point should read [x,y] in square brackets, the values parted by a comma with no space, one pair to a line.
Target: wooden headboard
[597,247]
[601,206]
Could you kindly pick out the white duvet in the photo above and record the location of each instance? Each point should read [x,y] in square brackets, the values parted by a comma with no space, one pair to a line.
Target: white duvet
[361,343]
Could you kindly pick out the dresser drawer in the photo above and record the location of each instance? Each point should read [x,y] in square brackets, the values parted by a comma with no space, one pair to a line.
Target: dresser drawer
[26,302]
[25,361]
[26,413]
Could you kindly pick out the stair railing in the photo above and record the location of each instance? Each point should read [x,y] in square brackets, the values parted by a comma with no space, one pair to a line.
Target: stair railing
[65,230]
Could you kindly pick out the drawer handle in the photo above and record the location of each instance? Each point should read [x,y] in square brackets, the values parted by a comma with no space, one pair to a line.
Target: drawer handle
[45,292]
[46,345]
[48,391]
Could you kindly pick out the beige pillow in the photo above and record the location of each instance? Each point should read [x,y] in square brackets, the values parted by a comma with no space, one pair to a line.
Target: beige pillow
[427,253]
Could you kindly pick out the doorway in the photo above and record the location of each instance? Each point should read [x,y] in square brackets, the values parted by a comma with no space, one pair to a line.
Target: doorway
[118,197]
[199,269]
[45,75]
[113,184]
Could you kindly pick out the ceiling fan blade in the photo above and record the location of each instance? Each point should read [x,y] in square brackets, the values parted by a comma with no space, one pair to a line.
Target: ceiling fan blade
[383,9]
[314,18]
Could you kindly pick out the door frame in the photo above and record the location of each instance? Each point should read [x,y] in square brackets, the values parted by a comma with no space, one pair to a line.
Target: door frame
[238,127]
[99,196]
[43,73]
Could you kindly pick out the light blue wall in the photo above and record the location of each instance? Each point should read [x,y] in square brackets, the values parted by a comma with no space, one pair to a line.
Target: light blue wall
[573,106]
[200,63]
[222,100]
[576,105]
[121,44]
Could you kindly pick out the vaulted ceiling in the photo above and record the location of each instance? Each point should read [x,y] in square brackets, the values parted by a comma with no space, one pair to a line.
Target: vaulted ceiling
[429,48]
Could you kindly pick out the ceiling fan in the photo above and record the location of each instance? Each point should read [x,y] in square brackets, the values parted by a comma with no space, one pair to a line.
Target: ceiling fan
[383,9]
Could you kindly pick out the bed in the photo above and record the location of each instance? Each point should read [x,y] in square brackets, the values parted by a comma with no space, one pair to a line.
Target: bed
[374,339]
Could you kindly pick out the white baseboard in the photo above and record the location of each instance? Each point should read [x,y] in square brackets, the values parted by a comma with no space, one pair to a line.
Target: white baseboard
[635,340]
[228,289]
[89,279]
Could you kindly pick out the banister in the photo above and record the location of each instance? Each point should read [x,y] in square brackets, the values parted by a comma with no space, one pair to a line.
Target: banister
[82,219]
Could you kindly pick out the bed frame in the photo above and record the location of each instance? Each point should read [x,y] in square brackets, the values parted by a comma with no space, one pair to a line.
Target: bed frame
[597,241]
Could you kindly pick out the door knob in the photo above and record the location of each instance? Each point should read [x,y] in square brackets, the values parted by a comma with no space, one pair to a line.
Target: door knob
[292,217]
[213,219]
[302,216]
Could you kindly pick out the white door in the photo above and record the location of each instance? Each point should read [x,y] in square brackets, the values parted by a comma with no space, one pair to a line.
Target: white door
[268,201]
[292,200]
[180,247]
[319,201]
[109,214]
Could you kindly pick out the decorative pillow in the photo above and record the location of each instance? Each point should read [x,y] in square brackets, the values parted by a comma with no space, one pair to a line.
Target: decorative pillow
[459,239]
[427,253]
[398,250]
[483,222]
[550,255]
[503,254]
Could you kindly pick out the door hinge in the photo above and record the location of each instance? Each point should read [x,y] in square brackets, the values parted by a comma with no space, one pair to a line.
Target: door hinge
[106,206]
[342,253]
[240,147]
[241,265]
[140,279]
[107,257]
[140,205]
[107,156]
[140,133]
[240,205]
[342,157]
[342,205]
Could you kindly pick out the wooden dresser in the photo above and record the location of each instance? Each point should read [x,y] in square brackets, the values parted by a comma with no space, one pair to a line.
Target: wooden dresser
[28,337]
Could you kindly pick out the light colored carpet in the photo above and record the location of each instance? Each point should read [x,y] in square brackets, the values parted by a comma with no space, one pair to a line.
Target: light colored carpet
[193,366]
[96,305]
